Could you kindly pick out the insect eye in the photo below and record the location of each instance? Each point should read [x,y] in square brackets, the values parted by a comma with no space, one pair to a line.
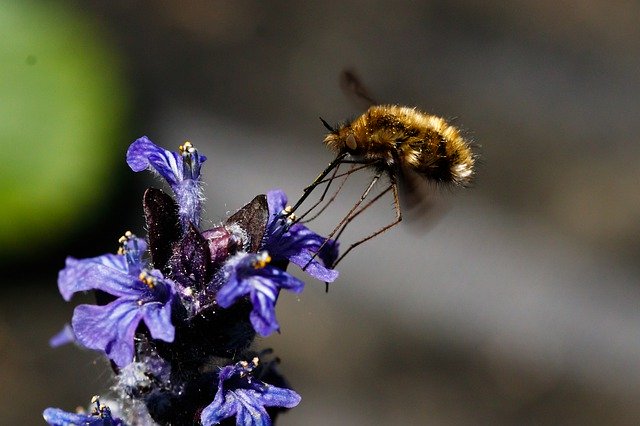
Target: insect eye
[351,142]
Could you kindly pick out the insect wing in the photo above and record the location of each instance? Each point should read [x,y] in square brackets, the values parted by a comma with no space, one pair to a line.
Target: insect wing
[421,206]
[353,87]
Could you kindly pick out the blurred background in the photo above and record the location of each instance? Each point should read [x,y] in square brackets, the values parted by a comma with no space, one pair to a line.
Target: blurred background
[519,305]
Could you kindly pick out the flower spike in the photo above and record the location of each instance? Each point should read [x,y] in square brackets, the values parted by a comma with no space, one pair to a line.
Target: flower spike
[176,313]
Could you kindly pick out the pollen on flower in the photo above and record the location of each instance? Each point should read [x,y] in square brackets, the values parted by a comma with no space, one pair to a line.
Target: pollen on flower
[262,260]
[99,410]
[128,236]
[186,148]
[248,366]
[289,215]
[148,280]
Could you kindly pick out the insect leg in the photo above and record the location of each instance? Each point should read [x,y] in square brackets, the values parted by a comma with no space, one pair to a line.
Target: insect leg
[363,165]
[398,219]
[346,174]
[316,182]
[353,169]
[324,193]
[346,218]
[366,206]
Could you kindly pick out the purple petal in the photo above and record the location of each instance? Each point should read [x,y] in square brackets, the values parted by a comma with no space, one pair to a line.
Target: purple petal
[228,372]
[63,337]
[223,406]
[251,413]
[277,201]
[265,288]
[263,315]
[72,279]
[314,267]
[189,200]
[110,328]
[329,252]
[299,239]
[298,244]
[262,284]
[272,396]
[58,417]
[281,278]
[231,291]
[82,275]
[144,154]
[157,317]
[245,398]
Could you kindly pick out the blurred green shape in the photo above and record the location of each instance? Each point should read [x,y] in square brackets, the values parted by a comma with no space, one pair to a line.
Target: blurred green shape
[62,105]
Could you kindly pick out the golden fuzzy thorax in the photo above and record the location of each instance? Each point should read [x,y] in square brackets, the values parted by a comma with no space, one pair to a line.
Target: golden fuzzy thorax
[406,137]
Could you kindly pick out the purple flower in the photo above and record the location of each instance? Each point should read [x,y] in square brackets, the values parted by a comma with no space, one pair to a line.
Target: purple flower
[140,295]
[63,337]
[297,243]
[250,274]
[181,171]
[242,396]
[99,416]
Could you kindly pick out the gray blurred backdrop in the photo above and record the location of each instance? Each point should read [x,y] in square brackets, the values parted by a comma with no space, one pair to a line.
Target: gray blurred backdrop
[520,302]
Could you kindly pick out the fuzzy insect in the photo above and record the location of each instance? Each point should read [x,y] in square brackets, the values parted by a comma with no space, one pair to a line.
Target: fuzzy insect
[398,142]
[397,138]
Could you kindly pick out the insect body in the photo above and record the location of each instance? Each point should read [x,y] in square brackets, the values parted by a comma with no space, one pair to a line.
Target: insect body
[393,137]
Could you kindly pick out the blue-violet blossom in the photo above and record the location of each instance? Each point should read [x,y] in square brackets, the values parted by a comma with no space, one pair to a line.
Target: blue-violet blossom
[63,337]
[297,243]
[100,416]
[242,396]
[181,171]
[250,274]
[140,295]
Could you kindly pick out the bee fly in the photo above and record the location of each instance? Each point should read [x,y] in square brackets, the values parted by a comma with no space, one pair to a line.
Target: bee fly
[396,142]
